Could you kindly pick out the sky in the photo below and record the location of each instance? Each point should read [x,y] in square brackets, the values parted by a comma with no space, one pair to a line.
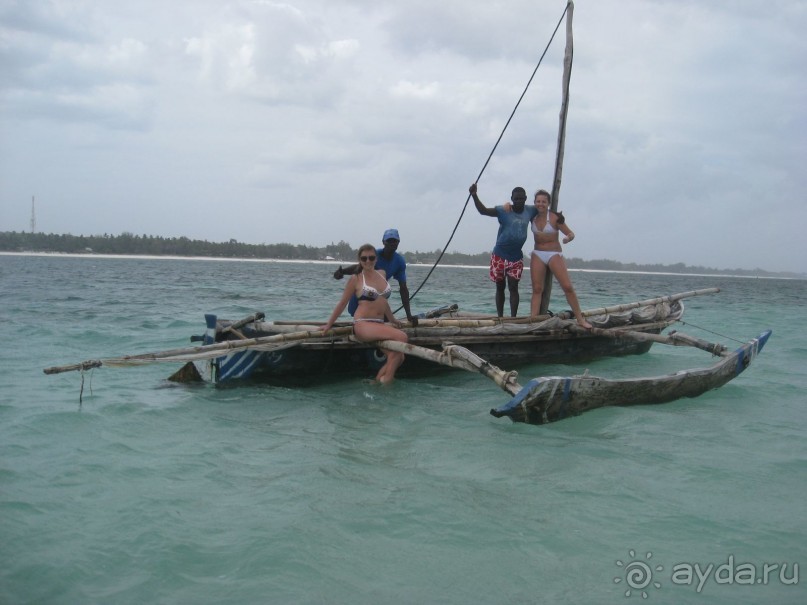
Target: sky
[318,121]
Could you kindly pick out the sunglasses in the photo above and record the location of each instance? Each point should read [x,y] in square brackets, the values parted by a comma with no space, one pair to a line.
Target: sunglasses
[364,259]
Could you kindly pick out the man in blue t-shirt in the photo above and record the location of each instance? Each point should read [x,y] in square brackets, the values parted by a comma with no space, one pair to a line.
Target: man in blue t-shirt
[506,261]
[393,265]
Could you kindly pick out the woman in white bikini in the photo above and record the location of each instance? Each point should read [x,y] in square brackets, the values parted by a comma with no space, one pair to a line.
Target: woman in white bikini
[372,290]
[548,254]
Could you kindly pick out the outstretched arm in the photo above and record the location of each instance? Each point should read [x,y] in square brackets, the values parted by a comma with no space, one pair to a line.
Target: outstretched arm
[480,207]
[405,302]
[342,271]
[350,288]
[389,315]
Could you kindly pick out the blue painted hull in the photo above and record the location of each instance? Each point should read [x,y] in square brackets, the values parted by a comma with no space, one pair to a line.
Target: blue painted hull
[322,359]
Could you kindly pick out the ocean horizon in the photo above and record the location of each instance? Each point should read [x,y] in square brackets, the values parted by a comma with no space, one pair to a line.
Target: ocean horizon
[342,262]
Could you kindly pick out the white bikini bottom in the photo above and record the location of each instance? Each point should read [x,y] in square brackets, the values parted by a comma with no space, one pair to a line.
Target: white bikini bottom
[545,255]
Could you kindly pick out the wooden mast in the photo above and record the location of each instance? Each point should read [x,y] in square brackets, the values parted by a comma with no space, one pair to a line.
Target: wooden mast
[564,110]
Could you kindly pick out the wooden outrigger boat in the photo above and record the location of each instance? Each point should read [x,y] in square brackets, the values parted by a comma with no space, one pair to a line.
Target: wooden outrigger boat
[231,351]
[288,351]
[293,351]
[282,350]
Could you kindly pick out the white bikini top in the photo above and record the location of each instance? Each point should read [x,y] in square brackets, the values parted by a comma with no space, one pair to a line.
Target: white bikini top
[370,293]
[548,228]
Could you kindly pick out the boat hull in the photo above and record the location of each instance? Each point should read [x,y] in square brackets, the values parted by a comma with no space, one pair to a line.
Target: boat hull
[505,345]
[305,362]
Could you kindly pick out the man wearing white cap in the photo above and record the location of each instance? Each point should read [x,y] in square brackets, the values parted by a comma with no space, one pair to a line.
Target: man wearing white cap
[393,265]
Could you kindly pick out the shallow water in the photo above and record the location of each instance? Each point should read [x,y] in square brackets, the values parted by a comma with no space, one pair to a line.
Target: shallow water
[350,493]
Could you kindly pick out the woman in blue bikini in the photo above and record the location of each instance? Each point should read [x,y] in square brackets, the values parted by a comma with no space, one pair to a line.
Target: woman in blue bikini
[548,254]
[372,290]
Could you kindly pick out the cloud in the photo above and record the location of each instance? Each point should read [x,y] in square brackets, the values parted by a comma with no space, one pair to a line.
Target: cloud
[61,72]
[686,119]
[226,57]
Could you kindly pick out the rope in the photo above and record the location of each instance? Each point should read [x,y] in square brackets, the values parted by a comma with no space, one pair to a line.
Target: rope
[481,172]
[727,337]
[81,390]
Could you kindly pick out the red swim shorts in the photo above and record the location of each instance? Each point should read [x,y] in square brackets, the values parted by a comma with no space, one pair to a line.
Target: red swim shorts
[500,267]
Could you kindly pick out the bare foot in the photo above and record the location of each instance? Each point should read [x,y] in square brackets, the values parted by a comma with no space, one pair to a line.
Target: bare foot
[381,377]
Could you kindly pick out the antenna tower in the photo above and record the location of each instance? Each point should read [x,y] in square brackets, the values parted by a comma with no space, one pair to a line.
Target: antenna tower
[33,216]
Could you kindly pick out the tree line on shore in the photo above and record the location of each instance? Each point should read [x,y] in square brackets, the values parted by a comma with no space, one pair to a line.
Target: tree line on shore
[128,243]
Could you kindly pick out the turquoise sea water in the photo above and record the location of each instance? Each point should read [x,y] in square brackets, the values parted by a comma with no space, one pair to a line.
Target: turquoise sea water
[149,492]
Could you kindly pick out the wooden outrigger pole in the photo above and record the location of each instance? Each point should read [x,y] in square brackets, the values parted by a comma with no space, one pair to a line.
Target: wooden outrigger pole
[564,111]
[550,398]
[301,332]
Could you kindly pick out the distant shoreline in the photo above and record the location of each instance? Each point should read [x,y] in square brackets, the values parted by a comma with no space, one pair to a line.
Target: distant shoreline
[90,255]
[147,246]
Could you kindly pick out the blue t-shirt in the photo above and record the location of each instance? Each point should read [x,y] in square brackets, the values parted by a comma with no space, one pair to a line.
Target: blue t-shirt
[513,229]
[394,268]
